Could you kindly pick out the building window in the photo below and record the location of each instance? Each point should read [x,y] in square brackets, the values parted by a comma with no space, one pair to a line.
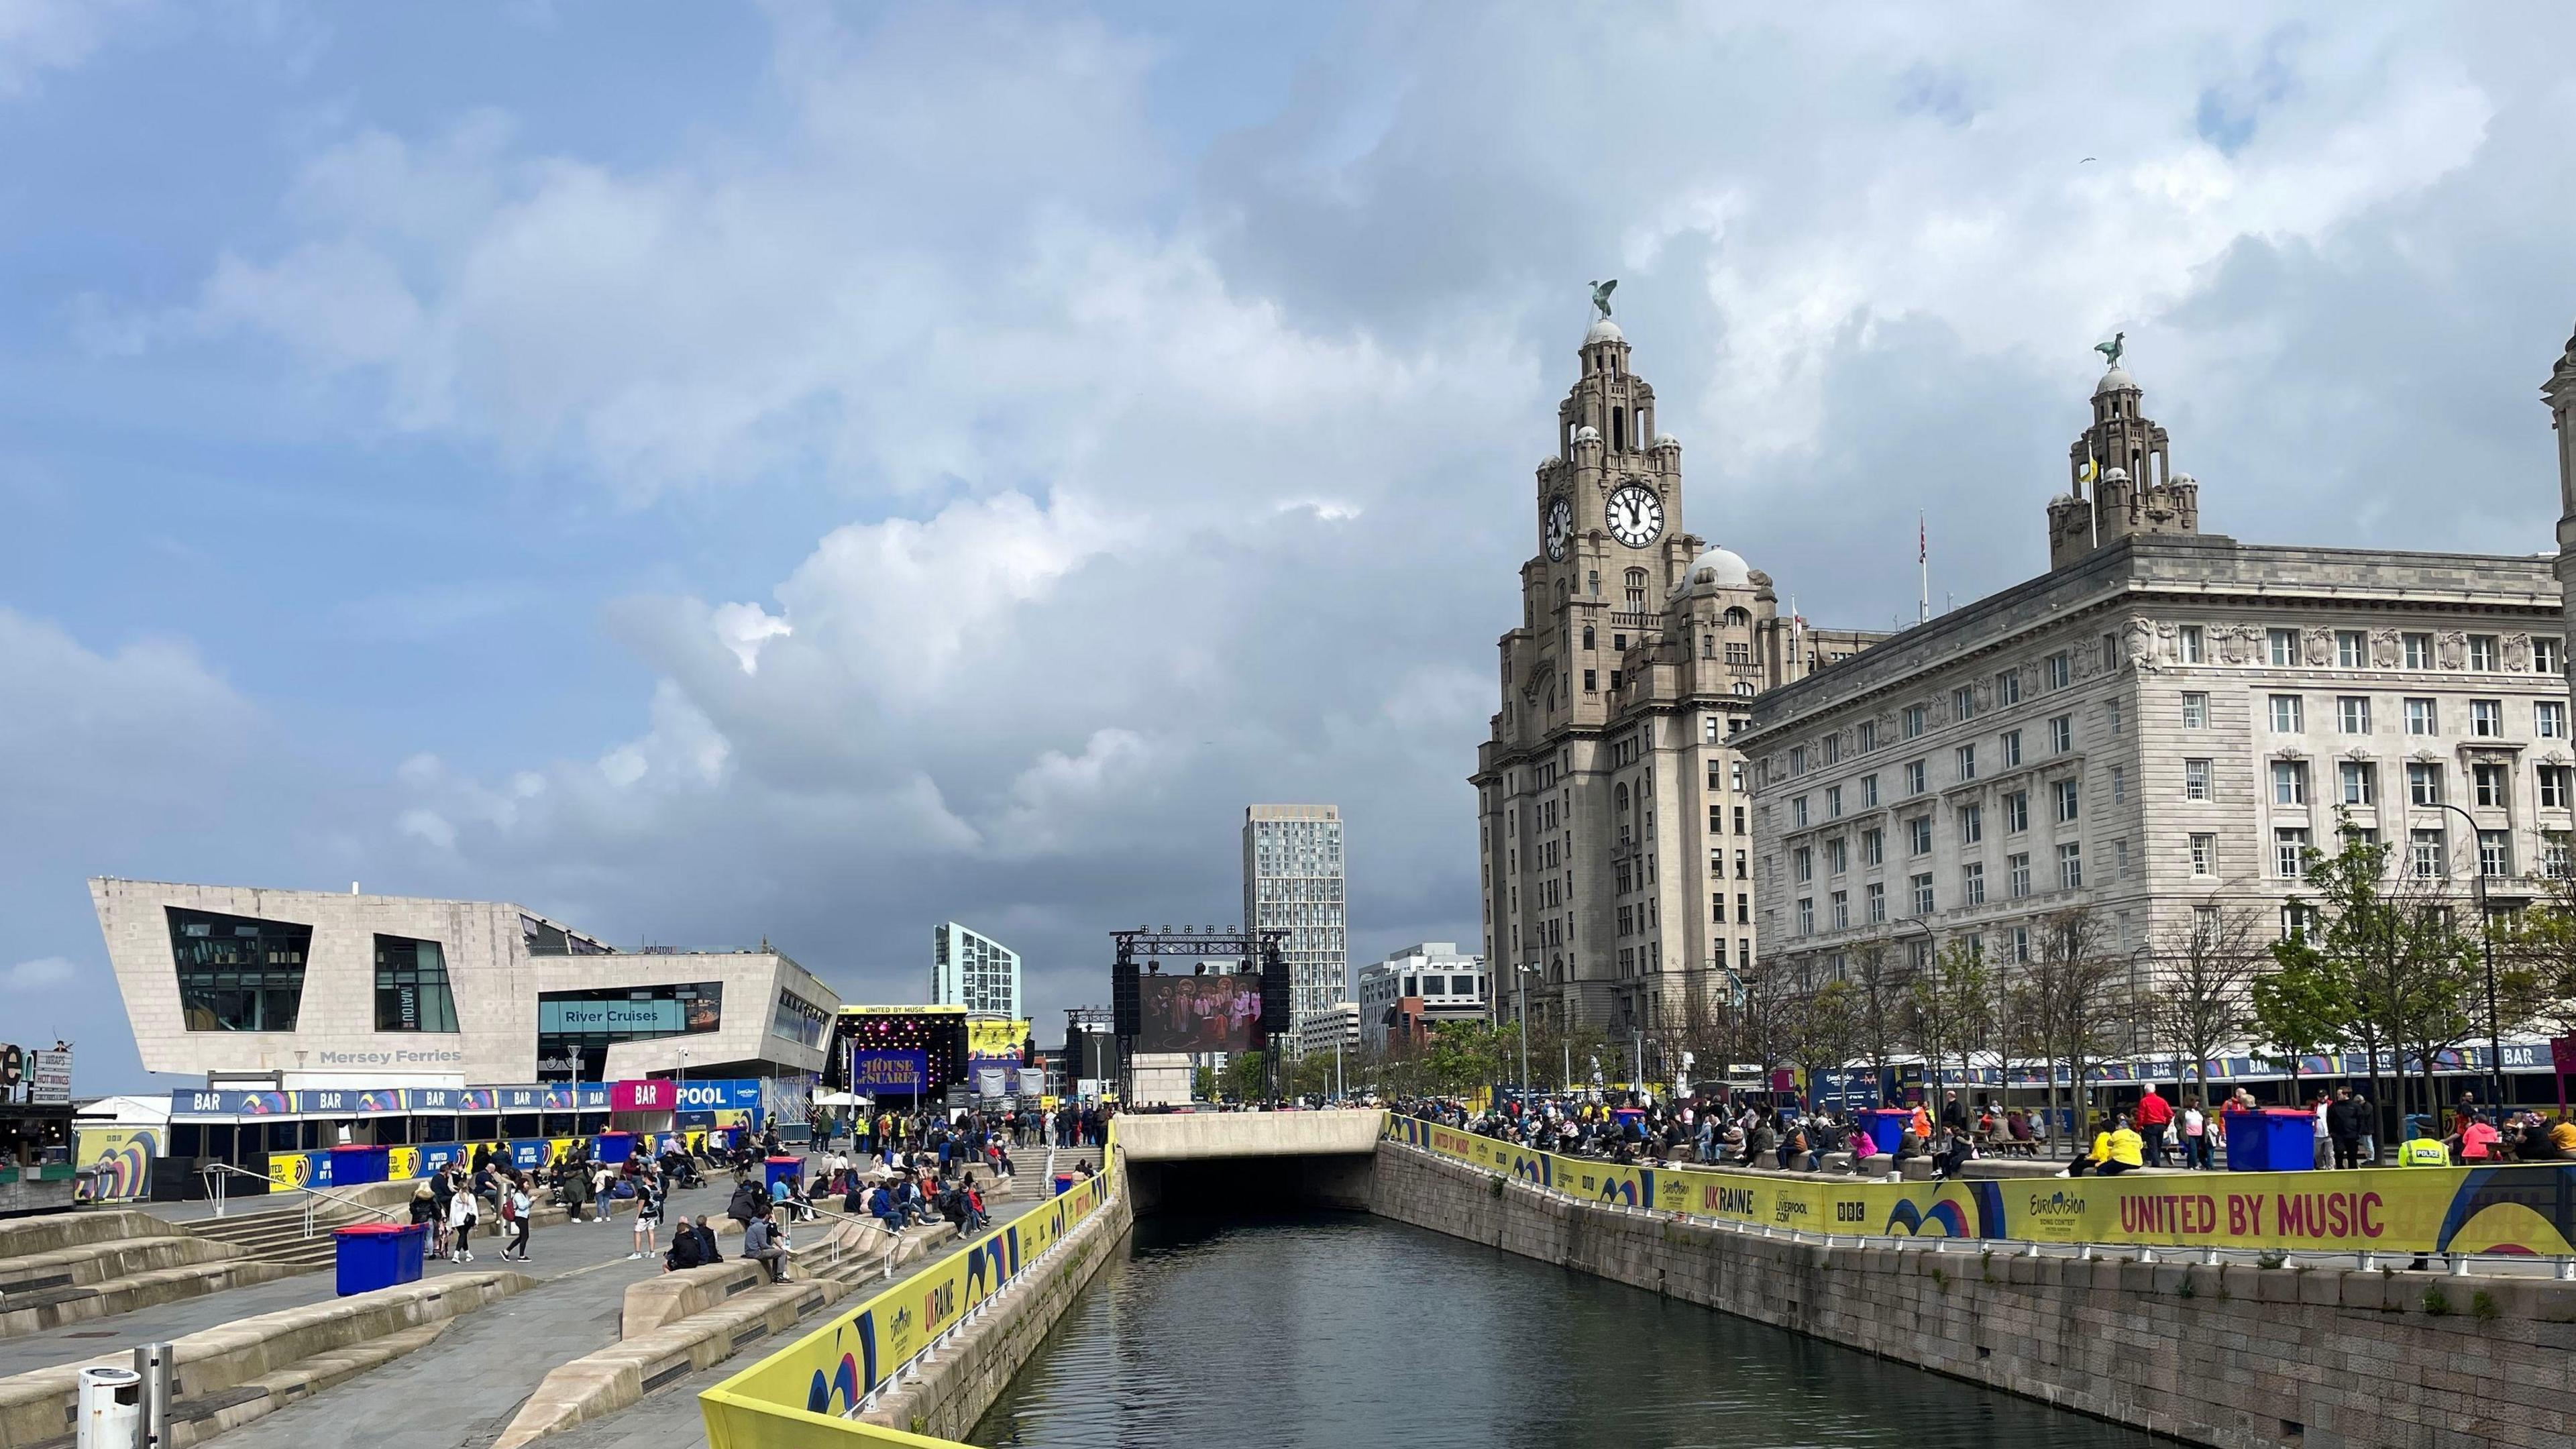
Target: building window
[1833,802]
[2054,668]
[2492,786]
[2070,799]
[1636,585]
[2195,710]
[2423,717]
[2289,782]
[2426,855]
[2204,854]
[2553,857]
[237,973]
[1842,910]
[1873,847]
[1915,778]
[1972,884]
[411,986]
[1590,681]
[1914,719]
[2017,875]
[2289,853]
[1874,898]
[2352,649]
[2008,688]
[2284,647]
[1802,865]
[2061,733]
[2287,717]
[1918,833]
[2120,859]
[2017,944]
[1967,762]
[2495,853]
[1806,916]
[2119,786]
[1963,702]
[2549,719]
[2195,779]
[2111,718]
[2423,783]
[2070,866]
[2012,748]
[2360,782]
[2187,643]
[1869,792]
[1865,735]
[1972,825]
[1837,855]
[2419,651]
[2017,812]
[1798,813]
[2545,657]
[1923,894]
[2483,653]
[2554,782]
[2352,713]
[2486,718]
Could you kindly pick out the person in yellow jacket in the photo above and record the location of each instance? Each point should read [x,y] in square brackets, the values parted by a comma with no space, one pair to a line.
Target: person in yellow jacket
[2424,1152]
[2116,1149]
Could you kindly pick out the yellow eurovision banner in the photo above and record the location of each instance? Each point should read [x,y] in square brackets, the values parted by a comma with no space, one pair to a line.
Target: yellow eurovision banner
[797,1396]
[120,1159]
[2526,1209]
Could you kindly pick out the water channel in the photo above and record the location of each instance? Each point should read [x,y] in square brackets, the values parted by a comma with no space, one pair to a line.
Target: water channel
[1340,1330]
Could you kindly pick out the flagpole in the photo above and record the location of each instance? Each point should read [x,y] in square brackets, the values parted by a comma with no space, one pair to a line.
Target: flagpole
[1923,562]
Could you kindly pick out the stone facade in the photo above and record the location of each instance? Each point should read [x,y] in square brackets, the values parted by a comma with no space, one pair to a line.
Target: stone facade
[2160,724]
[2560,394]
[494,978]
[1614,835]
[2238,1356]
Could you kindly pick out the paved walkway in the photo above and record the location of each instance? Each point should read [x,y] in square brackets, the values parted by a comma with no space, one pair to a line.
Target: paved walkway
[555,1251]
[668,1418]
[462,1391]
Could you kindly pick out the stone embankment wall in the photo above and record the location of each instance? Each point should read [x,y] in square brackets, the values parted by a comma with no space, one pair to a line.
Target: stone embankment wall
[2236,1356]
[962,1380]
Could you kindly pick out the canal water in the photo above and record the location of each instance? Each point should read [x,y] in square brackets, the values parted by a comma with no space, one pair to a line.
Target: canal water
[1342,1330]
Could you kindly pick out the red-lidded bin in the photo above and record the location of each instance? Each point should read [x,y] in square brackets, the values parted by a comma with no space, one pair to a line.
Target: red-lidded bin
[1063,1184]
[775,1170]
[370,1256]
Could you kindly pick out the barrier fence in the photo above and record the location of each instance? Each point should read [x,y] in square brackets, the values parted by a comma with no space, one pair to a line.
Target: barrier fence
[801,1395]
[2527,1210]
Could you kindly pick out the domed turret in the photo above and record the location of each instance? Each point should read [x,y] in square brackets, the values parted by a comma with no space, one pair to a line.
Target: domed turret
[1718,567]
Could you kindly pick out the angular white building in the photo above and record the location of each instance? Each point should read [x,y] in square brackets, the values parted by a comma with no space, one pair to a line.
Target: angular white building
[1292,880]
[974,971]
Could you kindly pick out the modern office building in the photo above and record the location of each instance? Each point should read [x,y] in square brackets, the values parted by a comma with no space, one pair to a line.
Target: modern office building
[973,971]
[1336,1025]
[1292,879]
[1402,997]
[322,989]
[1613,831]
[2163,722]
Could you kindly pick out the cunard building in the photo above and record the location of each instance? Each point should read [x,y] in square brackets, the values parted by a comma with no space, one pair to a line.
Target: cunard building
[1615,829]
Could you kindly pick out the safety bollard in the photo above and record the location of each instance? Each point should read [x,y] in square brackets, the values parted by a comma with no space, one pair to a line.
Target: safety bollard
[159,1365]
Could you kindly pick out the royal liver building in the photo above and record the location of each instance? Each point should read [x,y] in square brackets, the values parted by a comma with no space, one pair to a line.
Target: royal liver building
[1615,836]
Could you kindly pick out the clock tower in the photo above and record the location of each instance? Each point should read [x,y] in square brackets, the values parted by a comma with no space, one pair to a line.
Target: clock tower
[1611,820]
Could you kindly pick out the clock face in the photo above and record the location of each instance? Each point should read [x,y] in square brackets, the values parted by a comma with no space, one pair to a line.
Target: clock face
[1560,526]
[1636,515]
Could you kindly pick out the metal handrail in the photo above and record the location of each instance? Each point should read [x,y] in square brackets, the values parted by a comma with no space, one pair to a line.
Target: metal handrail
[314,1196]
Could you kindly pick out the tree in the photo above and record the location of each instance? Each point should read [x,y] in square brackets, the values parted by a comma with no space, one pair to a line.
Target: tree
[2198,999]
[2073,994]
[2384,950]
[1947,1005]
[1882,983]
[1825,1031]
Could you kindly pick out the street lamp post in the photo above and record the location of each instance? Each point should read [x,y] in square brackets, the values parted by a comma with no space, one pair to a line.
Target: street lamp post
[1520,995]
[2486,945]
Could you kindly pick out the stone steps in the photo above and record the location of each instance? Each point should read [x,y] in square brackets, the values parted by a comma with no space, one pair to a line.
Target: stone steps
[227,1376]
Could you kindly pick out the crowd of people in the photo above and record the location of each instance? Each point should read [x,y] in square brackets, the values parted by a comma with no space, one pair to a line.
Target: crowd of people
[2154,1131]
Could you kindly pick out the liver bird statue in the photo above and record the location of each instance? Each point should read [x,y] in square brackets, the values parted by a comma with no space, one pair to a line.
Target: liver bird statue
[1601,294]
[2112,349]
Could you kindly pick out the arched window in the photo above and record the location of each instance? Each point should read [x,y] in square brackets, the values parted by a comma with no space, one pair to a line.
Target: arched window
[1596,583]
[1708,646]
[1744,686]
[1619,430]
[1587,636]
[1621,796]
[1736,618]
[1560,593]
[1636,590]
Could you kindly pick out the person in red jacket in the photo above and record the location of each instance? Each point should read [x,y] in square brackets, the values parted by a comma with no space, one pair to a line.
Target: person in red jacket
[2154,1118]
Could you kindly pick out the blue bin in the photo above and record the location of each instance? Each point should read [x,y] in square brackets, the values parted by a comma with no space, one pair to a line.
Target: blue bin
[775,1170]
[1887,1127]
[370,1256]
[616,1147]
[358,1164]
[1063,1184]
[2275,1139]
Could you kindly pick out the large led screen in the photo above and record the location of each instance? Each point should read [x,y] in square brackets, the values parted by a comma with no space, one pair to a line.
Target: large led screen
[1198,1013]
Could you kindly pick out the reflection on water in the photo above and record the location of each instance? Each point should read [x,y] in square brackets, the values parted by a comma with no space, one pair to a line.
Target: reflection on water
[1345,1330]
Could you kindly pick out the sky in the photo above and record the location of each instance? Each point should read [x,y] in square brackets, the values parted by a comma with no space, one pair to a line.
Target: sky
[803,471]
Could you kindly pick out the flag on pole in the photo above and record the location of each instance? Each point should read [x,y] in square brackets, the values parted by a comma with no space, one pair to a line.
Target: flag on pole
[1922,540]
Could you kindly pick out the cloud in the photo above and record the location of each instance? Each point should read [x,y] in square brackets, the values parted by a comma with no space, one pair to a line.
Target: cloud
[41,974]
[37,36]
